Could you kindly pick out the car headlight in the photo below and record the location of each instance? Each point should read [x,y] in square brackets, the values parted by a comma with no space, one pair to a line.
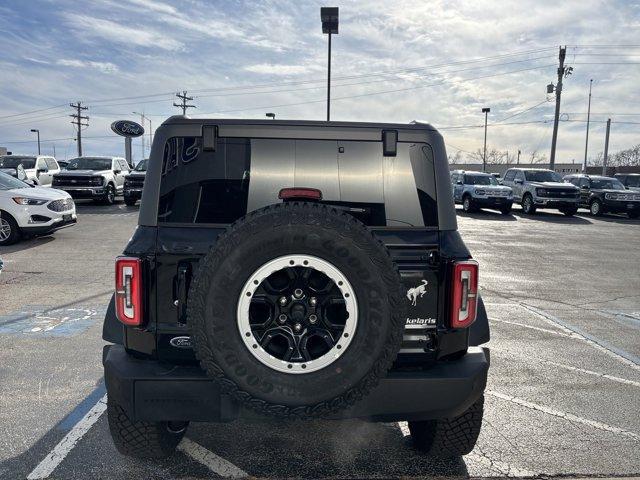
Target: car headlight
[29,201]
[611,196]
[479,191]
[96,180]
[541,191]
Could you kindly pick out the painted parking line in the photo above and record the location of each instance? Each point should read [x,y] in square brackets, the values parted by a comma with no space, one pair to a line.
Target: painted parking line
[531,327]
[564,415]
[596,374]
[216,464]
[80,421]
[622,356]
[70,440]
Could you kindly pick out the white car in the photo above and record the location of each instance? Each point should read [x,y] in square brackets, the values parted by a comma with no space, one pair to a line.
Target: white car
[38,168]
[29,211]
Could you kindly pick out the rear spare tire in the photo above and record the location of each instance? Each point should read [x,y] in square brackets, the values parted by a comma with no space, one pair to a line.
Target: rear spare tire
[297,311]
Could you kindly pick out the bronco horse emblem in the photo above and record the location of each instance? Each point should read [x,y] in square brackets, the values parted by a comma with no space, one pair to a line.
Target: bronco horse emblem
[415,292]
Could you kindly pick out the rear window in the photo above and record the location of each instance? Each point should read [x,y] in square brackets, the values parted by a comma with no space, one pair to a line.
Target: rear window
[244,174]
[12,161]
[204,187]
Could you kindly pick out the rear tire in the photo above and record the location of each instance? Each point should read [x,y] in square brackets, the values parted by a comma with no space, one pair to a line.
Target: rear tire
[528,206]
[145,440]
[9,230]
[447,438]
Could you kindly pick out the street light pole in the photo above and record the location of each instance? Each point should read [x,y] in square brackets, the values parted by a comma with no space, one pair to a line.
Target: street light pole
[35,130]
[486,111]
[143,117]
[586,142]
[329,18]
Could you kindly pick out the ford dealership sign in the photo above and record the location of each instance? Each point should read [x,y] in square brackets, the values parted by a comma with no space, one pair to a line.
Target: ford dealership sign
[127,128]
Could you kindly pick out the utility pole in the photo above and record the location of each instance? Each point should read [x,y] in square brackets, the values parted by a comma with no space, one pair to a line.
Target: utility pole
[486,111]
[77,121]
[562,72]
[586,143]
[54,149]
[183,102]
[606,148]
[518,161]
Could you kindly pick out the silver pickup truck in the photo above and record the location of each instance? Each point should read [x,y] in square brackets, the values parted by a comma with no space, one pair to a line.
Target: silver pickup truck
[537,188]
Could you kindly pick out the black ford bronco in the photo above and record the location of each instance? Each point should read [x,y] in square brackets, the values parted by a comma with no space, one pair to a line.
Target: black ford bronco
[295,269]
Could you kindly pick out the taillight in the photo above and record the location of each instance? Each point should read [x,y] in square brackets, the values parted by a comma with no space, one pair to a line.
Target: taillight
[464,299]
[129,290]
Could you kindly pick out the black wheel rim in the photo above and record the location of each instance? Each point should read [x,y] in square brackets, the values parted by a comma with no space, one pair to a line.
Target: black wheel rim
[300,317]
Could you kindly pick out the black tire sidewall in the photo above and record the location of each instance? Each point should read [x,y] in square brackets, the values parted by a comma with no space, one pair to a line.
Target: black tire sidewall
[218,341]
[528,210]
[599,212]
[467,204]
[15,230]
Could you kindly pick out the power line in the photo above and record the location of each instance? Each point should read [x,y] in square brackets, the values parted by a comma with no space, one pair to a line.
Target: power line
[382,92]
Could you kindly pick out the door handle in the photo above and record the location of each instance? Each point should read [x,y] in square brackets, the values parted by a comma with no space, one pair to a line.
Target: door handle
[182,288]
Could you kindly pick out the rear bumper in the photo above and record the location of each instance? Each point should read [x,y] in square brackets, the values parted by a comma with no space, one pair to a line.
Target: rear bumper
[152,391]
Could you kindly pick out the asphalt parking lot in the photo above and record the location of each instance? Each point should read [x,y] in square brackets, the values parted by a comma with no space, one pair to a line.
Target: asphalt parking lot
[563,297]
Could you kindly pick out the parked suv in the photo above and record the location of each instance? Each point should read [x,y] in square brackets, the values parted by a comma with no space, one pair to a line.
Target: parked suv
[631,181]
[295,269]
[605,195]
[40,169]
[475,190]
[134,182]
[98,178]
[27,211]
[537,188]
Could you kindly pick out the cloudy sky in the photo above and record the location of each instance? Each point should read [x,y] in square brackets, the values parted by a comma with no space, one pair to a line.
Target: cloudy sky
[438,61]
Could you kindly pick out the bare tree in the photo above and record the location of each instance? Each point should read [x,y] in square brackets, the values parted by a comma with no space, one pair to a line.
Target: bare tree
[537,157]
[455,157]
[626,158]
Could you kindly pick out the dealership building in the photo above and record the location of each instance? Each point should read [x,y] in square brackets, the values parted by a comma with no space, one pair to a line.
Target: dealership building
[561,168]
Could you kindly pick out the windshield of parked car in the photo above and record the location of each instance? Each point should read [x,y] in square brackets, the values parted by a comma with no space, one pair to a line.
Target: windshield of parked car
[633,181]
[141,166]
[12,161]
[606,183]
[7,182]
[542,176]
[480,180]
[89,163]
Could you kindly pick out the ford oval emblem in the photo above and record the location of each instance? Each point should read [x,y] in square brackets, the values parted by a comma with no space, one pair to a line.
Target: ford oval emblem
[181,342]
[127,128]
